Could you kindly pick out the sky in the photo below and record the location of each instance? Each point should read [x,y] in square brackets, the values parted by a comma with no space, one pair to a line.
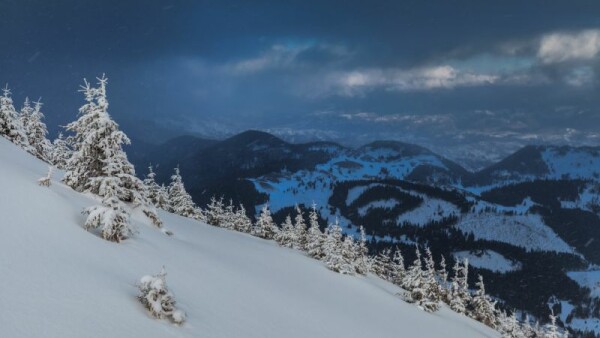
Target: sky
[465,78]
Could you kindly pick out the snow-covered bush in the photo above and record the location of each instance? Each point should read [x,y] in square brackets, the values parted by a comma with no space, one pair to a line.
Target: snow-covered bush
[157,298]
[111,218]
[45,181]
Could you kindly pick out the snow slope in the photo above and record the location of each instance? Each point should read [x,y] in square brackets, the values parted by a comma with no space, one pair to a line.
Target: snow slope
[488,259]
[60,281]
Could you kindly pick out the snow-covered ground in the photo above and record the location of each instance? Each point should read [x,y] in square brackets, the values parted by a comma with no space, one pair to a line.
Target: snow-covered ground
[432,209]
[526,231]
[590,279]
[379,204]
[574,163]
[59,280]
[488,259]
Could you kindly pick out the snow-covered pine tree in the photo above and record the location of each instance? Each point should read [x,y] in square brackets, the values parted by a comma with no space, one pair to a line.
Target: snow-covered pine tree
[349,251]
[264,227]
[156,194]
[111,217]
[61,152]
[227,217]
[430,284]
[398,269]
[418,283]
[25,114]
[552,330]
[483,308]
[98,154]
[442,275]
[242,221]
[215,211]
[509,326]
[333,247]
[180,202]
[315,238]
[286,236]
[10,123]
[157,298]
[459,297]
[381,266]
[362,259]
[36,133]
[300,233]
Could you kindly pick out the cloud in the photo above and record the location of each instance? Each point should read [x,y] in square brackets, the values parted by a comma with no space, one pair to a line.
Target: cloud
[560,47]
[418,79]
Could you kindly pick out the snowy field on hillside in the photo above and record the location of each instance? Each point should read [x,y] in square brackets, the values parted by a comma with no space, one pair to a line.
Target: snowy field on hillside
[526,231]
[575,163]
[432,209]
[488,259]
[59,280]
[590,279]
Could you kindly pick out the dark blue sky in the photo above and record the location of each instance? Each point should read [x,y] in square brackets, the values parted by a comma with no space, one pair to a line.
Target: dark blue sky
[444,74]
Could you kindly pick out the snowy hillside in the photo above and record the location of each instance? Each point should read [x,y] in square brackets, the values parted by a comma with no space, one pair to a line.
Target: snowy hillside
[59,280]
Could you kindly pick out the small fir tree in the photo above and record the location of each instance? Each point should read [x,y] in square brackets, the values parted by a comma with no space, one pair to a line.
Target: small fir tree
[157,298]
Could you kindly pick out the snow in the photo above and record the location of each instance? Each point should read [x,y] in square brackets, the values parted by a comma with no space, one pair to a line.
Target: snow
[574,163]
[526,231]
[590,279]
[489,260]
[432,209]
[355,192]
[379,204]
[59,280]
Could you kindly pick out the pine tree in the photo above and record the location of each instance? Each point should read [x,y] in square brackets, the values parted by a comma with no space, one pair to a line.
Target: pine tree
[333,247]
[398,270]
[61,152]
[180,202]
[264,227]
[242,221]
[229,216]
[483,307]
[509,326]
[552,330]
[413,280]
[155,193]
[300,233]
[349,255]
[430,301]
[382,265]
[442,274]
[215,211]
[459,296]
[36,133]
[25,114]
[10,123]
[157,298]
[98,156]
[362,259]
[315,238]
[286,236]
[419,283]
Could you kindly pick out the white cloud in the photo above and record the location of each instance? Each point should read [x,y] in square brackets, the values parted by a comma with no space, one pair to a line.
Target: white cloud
[276,56]
[559,47]
[425,78]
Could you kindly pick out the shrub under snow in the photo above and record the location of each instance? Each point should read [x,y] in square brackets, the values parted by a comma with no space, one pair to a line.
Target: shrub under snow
[157,298]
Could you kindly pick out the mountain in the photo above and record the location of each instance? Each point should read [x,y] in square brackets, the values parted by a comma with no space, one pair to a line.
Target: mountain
[528,223]
[59,280]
